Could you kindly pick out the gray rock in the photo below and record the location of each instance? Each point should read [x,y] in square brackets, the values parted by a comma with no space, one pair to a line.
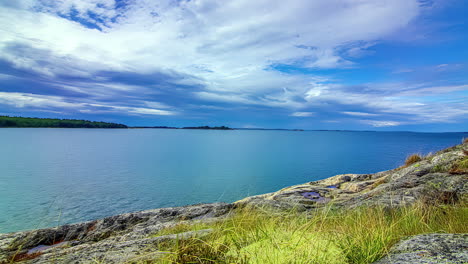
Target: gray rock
[429,248]
[346,178]
[113,239]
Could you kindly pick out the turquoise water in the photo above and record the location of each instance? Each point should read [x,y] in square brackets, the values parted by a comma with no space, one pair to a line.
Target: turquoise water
[57,176]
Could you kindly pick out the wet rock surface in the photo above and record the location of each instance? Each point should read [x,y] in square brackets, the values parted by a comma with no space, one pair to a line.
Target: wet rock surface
[130,237]
[429,248]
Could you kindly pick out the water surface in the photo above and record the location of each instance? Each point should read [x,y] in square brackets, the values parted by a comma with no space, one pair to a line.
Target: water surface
[50,177]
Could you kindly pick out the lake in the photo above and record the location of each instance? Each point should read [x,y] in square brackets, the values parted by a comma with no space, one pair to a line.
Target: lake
[50,177]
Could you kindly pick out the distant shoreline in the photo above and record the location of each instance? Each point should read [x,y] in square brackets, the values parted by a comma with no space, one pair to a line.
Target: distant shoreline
[32,122]
[258,129]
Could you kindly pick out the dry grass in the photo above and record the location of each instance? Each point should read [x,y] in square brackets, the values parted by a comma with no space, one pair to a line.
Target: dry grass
[379,181]
[413,159]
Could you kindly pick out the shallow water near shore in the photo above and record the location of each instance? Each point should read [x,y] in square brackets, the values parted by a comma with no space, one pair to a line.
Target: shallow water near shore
[50,177]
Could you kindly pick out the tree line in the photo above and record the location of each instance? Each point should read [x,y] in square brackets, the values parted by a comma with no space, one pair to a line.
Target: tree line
[8,121]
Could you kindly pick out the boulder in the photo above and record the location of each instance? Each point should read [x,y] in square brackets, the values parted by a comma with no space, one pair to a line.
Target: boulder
[429,248]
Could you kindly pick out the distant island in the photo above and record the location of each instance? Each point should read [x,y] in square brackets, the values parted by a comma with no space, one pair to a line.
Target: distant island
[156,127]
[208,127]
[17,121]
[198,127]
[7,121]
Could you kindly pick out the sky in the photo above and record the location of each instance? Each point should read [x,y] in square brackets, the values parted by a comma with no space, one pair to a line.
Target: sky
[387,65]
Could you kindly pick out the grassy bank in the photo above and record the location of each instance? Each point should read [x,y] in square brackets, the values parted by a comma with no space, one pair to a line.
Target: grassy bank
[328,235]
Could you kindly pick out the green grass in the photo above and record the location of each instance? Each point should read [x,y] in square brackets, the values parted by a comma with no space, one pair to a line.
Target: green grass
[328,235]
[460,166]
[181,228]
[457,167]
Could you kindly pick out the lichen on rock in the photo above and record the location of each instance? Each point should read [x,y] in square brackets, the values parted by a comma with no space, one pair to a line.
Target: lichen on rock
[429,248]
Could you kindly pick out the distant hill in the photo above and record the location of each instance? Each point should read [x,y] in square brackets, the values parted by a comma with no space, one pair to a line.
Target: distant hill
[7,121]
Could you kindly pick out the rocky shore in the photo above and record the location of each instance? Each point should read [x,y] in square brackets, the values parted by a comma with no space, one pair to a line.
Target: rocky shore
[438,178]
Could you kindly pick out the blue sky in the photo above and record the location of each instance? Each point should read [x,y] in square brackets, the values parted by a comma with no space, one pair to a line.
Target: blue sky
[335,64]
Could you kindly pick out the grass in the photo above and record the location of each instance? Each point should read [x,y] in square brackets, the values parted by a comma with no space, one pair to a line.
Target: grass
[327,235]
[460,167]
[181,228]
[379,181]
[440,168]
[412,159]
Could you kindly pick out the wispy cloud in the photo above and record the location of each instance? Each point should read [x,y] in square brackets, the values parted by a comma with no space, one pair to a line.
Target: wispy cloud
[359,114]
[44,102]
[375,123]
[302,114]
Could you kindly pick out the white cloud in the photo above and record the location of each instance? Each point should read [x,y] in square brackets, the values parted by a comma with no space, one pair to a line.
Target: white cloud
[432,90]
[6,77]
[134,110]
[302,114]
[381,123]
[359,114]
[279,99]
[227,44]
[22,100]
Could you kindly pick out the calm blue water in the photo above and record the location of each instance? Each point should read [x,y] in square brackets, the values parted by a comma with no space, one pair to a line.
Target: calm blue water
[56,176]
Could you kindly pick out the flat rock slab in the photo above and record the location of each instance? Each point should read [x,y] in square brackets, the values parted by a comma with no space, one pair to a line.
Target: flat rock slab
[113,239]
[429,248]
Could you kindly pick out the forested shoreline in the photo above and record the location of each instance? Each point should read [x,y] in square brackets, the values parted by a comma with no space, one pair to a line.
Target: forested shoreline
[8,121]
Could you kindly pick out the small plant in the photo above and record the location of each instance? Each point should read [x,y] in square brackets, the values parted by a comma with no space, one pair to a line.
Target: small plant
[439,168]
[460,167]
[412,159]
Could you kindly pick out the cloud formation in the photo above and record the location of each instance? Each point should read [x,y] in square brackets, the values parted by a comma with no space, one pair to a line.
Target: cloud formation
[160,57]
[42,102]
